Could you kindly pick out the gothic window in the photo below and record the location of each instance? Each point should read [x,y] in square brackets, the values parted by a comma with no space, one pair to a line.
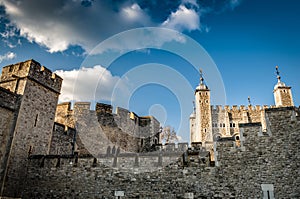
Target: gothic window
[223,125]
[233,124]
[220,124]
[230,125]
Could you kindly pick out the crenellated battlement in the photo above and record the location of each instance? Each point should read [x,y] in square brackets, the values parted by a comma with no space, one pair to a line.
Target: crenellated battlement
[101,108]
[235,108]
[33,70]
[164,156]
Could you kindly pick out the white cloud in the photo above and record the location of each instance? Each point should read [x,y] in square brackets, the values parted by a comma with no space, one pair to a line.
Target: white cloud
[57,24]
[134,13]
[88,84]
[7,56]
[183,19]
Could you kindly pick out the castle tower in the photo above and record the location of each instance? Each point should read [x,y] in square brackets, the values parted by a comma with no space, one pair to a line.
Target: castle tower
[203,122]
[39,89]
[282,93]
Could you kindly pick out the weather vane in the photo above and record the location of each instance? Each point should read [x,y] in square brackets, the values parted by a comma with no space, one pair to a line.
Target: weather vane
[194,106]
[201,75]
[249,100]
[277,72]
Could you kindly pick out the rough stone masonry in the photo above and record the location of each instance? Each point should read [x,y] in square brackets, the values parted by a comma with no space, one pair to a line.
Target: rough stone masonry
[41,158]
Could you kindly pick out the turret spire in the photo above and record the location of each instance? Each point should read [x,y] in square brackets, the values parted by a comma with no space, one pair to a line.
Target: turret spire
[249,100]
[201,76]
[277,72]
[194,106]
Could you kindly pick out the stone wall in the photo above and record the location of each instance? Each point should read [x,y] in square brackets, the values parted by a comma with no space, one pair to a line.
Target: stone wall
[264,159]
[63,140]
[9,104]
[124,129]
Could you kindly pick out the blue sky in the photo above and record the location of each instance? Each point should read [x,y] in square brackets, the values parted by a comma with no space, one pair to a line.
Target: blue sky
[243,39]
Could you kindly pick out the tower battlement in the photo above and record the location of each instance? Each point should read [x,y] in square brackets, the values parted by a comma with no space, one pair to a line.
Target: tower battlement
[33,70]
[235,108]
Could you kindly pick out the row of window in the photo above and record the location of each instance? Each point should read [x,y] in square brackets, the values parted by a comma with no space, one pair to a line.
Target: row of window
[222,125]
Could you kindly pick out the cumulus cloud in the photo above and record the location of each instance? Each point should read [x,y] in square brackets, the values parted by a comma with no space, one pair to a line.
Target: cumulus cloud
[7,56]
[59,24]
[183,19]
[88,84]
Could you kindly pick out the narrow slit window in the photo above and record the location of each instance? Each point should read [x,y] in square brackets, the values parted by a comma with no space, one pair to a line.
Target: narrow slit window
[36,118]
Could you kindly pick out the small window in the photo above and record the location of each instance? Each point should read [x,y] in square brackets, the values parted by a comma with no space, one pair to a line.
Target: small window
[142,142]
[237,138]
[220,124]
[36,119]
[233,124]
[223,125]
[11,68]
[230,125]
[21,66]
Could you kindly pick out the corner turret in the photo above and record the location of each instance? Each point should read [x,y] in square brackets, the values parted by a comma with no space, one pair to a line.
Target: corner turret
[202,122]
[282,93]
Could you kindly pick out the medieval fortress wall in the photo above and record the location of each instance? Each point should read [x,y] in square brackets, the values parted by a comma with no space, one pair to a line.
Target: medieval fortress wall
[238,152]
[263,164]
